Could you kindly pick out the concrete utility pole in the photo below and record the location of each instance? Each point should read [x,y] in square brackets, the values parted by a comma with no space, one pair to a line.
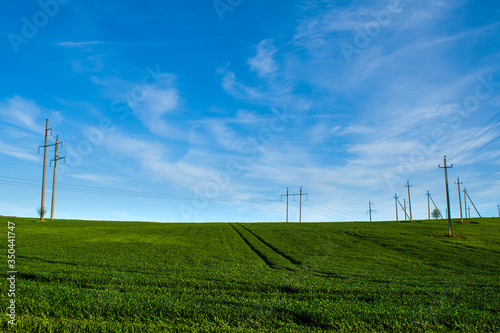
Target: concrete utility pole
[409,200]
[435,206]
[428,206]
[445,167]
[286,203]
[300,194]
[459,199]
[403,208]
[56,158]
[465,202]
[470,200]
[406,214]
[498,206]
[370,210]
[396,202]
[42,207]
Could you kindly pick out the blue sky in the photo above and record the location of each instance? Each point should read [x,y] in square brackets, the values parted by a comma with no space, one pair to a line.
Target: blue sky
[208,110]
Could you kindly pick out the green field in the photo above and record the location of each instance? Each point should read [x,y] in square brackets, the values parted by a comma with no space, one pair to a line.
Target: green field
[80,276]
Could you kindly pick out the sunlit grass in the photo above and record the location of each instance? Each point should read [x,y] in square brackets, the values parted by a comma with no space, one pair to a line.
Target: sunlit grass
[78,276]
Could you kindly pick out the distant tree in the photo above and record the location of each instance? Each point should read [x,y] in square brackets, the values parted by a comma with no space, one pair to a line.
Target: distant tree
[41,211]
[436,213]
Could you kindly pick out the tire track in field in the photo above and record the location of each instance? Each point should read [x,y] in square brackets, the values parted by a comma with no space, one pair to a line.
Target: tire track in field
[278,252]
[295,263]
[257,252]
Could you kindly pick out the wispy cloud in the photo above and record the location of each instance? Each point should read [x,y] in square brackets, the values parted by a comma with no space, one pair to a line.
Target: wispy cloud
[26,114]
[263,62]
[157,101]
[71,44]
[101,179]
[14,151]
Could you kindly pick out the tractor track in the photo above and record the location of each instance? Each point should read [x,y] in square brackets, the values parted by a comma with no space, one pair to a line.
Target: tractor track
[280,261]
[255,250]
[287,257]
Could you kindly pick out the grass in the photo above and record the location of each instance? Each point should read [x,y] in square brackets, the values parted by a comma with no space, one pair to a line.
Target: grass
[82,276]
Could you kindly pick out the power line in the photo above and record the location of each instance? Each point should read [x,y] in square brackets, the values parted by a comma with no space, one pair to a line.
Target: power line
[475,151]
[332,211]
[475,134]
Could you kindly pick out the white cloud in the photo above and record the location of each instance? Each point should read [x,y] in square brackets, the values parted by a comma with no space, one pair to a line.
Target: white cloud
[263,63]
[9,209]
[21,112]
[153,102]
[101,179]
[226,137]
[358,129]
[71,44]
[14,151]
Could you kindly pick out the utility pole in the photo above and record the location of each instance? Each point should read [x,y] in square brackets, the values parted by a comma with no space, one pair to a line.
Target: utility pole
[56,158]
[498,206]
[459,199]
[286,203]
[445,167]
[300,205]
[435,206]
[404,209]
[465,202]
[370,210]
[406,214]
[396,202]
[42,207]
[428,206]
[467,194]
[409,200]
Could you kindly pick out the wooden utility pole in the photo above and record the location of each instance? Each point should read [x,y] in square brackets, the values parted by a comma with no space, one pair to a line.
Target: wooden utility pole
[460,199]
[42,207]
[56,158]
[286,203]
[409,200]
[445,167]
[396,202]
